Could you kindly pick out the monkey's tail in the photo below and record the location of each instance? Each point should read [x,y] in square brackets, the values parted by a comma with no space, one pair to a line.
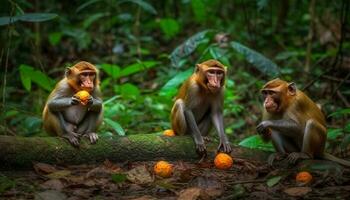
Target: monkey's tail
[330,157]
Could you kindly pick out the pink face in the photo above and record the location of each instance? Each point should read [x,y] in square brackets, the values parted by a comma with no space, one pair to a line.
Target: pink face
[87,79]
[214,77]
[271,101]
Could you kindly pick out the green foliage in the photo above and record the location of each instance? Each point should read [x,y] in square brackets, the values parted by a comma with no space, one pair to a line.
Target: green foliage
[28,75]
[170,88]
[262,63]
[199,10]
[6,184]
[119,178]
[256,142]
[115,125]
[27,17]
[273,181]
[170,27]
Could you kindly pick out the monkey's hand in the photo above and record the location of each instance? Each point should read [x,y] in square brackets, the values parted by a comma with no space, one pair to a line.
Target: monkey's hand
[224,146]
[93,137]
[75,100]
[295,156]
[275,156]
[72,138]
[263,128]
[90,101]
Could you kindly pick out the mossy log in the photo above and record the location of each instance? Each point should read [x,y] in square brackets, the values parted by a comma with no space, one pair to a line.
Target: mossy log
[21,152]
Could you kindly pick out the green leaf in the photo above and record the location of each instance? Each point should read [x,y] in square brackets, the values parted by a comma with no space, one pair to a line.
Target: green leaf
[169,27]
[256,142]
[262,4]
[36,17]
[347,128]
[170,88]
[6,184]
[128,90]
[111,69]
[188,47]
[345,143]
[55,38]
[136,67]
[28,75]
[199,10]
[340,112]
[25,71]
[115,125]
[7,20]
[92,18]
[333,134]
[119,178]
[86,4]
[143,4]
[262,63]
[273,181]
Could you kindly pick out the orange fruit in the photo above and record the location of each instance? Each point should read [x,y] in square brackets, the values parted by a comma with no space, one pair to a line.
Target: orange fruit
[83,96]
[169,133]
[223,161]
[163,169]
[303,177]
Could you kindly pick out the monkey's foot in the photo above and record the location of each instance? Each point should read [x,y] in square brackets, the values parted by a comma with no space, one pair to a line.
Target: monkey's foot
[275,156]
[295,156]
[93,137]
[224,147]
[73,138]
[201,149]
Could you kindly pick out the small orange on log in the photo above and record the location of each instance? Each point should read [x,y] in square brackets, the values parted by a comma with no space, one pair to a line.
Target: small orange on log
[223,161]
[303,177]
[83,96]
[169,133]
[163,169]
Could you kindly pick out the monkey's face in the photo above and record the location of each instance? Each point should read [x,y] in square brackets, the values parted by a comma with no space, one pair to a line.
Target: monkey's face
[215,78]
[86,80]
[271,101]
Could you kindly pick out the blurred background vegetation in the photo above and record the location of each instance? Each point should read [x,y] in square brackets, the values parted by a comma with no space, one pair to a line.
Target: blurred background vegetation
[144,49]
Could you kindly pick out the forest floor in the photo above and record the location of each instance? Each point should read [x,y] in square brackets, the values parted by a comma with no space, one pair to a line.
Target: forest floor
[109,180]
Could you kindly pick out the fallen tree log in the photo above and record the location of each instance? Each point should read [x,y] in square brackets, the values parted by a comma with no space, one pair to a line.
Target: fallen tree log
[21,152]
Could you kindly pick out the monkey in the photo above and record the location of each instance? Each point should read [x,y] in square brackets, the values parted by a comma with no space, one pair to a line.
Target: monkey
[199,105]
[294,123]
[65,115]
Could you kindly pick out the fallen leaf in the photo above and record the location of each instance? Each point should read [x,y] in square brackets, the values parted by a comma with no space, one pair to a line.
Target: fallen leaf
[50,195]
[273,181]
[119,178]
[53,184]
[59,174]
[82,193]
[193,193]
[146,197]
[98,172]
[209,184]
[43,168]
[297,191]
[139,175]
[111,166]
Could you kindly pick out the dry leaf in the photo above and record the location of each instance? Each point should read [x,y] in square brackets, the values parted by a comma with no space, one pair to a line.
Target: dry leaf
[193,194]
[139,175]
[44,168]
[297,191]
[54,184]
[59,174]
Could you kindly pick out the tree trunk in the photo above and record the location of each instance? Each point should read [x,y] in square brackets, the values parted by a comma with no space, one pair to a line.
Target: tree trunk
[21,152]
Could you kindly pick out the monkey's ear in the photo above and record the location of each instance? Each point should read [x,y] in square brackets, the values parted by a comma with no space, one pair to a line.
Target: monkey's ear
[197,68]
[68,72]
[292,88]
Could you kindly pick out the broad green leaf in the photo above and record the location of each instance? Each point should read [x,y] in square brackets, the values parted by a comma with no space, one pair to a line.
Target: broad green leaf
[136,67]
[256,142]
[25,72]
[347,128]
[334,133]
[169,27]
[7,20]
[273,181]
[188,47]
[42,80]
[199,10]
[86,4]
[55,38]
[92,18]
[170,88]
[128,90]
[111,69]
[143,4]
[259,61]
[115,125]
[36,17]
[119,178]
[340,112]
